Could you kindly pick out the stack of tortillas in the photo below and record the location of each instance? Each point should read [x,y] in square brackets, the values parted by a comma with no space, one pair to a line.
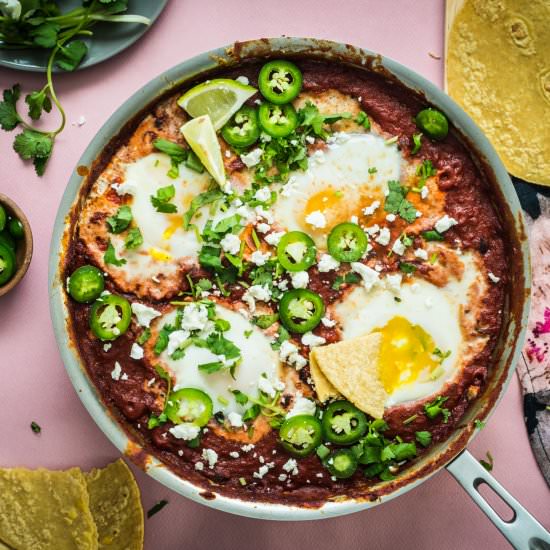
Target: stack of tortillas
[62,510]
[350,369]
[498,70]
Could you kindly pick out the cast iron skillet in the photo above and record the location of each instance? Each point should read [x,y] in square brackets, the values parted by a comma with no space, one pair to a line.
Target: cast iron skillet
[523,530]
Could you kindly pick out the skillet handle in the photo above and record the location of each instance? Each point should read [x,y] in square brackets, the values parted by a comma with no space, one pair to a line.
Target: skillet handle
[523,531]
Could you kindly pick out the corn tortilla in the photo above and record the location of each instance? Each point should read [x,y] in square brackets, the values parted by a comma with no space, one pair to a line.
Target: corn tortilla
[323,388]
[498,69]
[45,510]
[351,366]
[116,507]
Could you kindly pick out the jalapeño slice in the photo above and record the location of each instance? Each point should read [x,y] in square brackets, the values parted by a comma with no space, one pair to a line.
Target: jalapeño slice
[189,405]
[110,316]
[280,81]
[301,310]
[343,423]
[7,264]
[243,129]
[277,120]
[341,463]
[300,435]
[296,251]
[347,242]
[86,284]
[433,123]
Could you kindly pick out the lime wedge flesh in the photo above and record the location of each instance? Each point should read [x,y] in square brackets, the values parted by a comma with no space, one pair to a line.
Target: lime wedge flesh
[201,137]
[220,99]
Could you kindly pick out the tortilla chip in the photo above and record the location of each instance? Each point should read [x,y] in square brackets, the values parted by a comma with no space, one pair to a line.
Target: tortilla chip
[116,507]
[323,388]
[45,510]
[351,366]
[498,69]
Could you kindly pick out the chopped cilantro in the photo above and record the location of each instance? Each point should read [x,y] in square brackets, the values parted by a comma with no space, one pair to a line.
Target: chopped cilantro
[424,171]
[407,267]
[121,220]
[363,119]
[282,336]
[434,409]
[372,170]
[252,413]
[248,333]
[207,197]
[424,438]
[240,397]
[396,203]
[35,427]
[134,239]
[479,424]
[417,140]
[347,278]
[211,368]
[161,201]
[310,117]
[322,451]
[110,256]
[489,463]
[265,321]
[432,235]
[144,336]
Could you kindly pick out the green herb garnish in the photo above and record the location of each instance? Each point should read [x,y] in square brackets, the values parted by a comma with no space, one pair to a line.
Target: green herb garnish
[156,508]
[35,427]
[110,256]
[161,201]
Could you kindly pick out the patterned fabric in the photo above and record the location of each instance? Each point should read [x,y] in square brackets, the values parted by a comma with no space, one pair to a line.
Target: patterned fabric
[534,367]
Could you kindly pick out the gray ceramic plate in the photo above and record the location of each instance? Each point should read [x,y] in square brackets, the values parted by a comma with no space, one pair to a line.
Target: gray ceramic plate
[108,40]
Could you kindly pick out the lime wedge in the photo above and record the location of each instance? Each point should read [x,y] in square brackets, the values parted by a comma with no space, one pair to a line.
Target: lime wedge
[201,137]
[220,98]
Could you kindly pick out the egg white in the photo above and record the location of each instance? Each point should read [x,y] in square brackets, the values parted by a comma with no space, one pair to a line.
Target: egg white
[437,310]
[257,359]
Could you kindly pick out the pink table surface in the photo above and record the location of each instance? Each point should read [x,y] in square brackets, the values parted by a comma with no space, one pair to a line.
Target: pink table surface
[33,382]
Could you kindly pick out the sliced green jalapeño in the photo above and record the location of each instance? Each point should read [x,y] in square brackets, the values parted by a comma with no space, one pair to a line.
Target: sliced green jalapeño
[347,242]
[433,123]
[300,435]
[189,405]
[343,423]
[301,310]
[86,284]
[341,463]
[110,316]
[277,120]
[296,251]
[280,81]
[7,264]
[243,129]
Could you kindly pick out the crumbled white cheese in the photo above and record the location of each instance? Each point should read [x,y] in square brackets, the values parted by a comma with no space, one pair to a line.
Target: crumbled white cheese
[199,466]
[136,352]
[175,340]
[310,140]
[300,279]
[317,219]
[370,276]
[252,158]
[243,80]
[260,292]
[329,323]
[384,237]
[373,230]
[327,263]
[195,317]
[424,192]
[421,253]
[418,214]
[444,223]
[234,454]
[211,456]
[311,340]
[291,466]
[274,238]
[398,247]
[261,472]
[390,217]
[289,353]
[248,447]
[107,347]
[263,227]
[262,213]
[235,419]
[369,210]
[125,188]
[144,314]
[231,243]
[354,219]
[265,385]
[493,277]
[124,376]
[117,371]
[282,477]
[301,405]
[259,258]
[185,431]
[263,194]
[81,121]
[11,9]
[393,282]
[282,285]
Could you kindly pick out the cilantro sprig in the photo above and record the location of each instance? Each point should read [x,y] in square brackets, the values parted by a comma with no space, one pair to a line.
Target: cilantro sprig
[42,25]
[396,202]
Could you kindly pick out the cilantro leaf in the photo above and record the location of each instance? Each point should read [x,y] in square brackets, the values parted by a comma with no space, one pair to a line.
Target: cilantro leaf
[176,153]
[208,197]
[407,211]
[265,321]
[9,118]
[121,220]
[347,278]
[45,35]
[434,409]
[489,463]
[282,336]
[309,116]
[35,427]
[240,397]
[209,256]
[252,413]
[110,256]
[211,368]
[38,101]
[396,203]
[479,424]
[433,235]
[34,145]
[71,55]
[424,171]
[407,267]
[219,345]
[144,336]
[161,201]
[134,239]
[363,119]
[424,438]
[417,140]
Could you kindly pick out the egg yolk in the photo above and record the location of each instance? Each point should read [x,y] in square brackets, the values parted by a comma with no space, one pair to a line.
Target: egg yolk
[339,205]
[405,354]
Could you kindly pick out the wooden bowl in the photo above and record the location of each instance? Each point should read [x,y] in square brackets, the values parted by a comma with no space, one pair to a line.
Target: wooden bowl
[24,246]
